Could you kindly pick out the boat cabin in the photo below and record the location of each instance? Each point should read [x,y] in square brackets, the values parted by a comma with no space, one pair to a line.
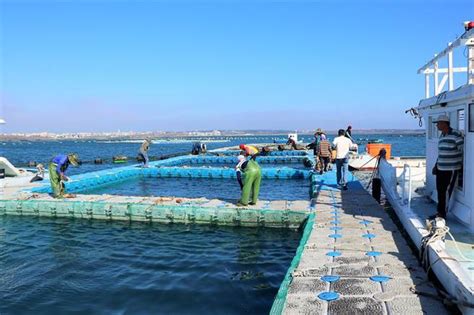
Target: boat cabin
[458,104]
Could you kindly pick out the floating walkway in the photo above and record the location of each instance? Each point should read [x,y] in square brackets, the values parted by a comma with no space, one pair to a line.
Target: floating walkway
[352,259]
[168,169]
[272,153]
[276,213]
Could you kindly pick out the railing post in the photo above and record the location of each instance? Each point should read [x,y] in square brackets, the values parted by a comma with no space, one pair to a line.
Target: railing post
[470,61]
[403,178]
[409,185]
[450,71]
[427,85]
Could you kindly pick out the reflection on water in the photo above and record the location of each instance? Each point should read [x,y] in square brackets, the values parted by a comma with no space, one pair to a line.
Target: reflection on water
[50,266]
[224,189]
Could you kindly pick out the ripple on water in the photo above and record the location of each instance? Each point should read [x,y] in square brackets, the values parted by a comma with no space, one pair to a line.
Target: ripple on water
[48,266]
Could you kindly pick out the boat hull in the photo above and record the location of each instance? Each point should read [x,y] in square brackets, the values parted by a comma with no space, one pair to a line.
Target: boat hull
[456,281]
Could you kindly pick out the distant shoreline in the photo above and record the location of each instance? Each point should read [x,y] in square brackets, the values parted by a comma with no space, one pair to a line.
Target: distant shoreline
[189,134]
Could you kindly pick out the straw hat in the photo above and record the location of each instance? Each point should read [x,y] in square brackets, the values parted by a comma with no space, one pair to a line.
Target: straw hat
[444,118]
[73,159]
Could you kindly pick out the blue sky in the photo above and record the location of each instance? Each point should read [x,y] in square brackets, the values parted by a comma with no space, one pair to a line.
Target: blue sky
[187,65]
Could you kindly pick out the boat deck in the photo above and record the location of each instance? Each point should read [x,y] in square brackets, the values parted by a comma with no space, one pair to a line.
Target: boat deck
[354,260]
[464,240]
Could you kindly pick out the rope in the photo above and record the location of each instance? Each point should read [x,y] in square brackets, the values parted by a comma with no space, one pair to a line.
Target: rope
[442,296]
[368,161]
[415,115]
[457,248]
[438,234]
[376,169]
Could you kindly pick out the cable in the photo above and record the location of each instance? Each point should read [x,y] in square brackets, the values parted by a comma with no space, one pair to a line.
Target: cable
[457,248]
[413,112]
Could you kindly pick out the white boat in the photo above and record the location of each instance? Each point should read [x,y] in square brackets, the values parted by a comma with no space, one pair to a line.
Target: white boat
[294,136]
[449,254]
[12,171]
[16,179]
[367,162]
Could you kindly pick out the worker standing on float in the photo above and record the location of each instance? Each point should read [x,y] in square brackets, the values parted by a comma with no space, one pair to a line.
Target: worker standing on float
[252,180]
[57,169]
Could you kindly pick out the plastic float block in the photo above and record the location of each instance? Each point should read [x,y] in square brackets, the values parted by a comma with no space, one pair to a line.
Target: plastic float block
[140,212]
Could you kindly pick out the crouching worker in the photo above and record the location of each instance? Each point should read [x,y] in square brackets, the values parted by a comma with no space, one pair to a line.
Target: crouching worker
[252,180]
[249,150]
[39,176]
[57,177]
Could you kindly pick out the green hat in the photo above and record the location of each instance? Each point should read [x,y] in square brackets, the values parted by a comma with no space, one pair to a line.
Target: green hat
[73,159]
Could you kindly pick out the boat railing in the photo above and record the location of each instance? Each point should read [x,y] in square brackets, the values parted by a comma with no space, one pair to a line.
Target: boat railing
[441,76]
[406,185]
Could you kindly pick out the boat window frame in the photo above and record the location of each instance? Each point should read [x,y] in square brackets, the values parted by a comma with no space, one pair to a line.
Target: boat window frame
[433,132]
[470,117]
[430,127]
[461,173]
[460,128]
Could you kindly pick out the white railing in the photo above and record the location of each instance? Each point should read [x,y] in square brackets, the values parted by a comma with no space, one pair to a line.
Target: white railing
[432,66]
[405,184]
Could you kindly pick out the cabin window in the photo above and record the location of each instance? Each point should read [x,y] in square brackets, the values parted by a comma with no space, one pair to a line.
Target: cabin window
[433,129]
[461,122]
[471,117]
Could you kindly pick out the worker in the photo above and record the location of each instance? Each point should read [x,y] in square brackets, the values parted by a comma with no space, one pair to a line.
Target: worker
[39,176]
[292,143]
[315,146]
[252,180]
[324,154]
[249,150]
[342,145]
[197,147]
[57,170]
[143,152]
[239,168]
[349,133]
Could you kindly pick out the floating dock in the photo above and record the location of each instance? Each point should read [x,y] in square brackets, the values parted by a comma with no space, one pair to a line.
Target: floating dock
[275,213]
[352,259]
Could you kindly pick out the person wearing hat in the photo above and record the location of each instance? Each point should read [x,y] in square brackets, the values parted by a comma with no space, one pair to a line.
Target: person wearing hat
[57,169]
[324,153]
[449,162]
[315,146]
[143,152]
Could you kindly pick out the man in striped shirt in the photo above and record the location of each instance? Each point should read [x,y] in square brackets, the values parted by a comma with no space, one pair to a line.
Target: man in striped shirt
[450,156]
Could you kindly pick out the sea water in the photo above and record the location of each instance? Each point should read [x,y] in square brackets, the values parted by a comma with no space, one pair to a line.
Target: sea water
[52,266]
[224,189]
[22,152]
[59,266]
